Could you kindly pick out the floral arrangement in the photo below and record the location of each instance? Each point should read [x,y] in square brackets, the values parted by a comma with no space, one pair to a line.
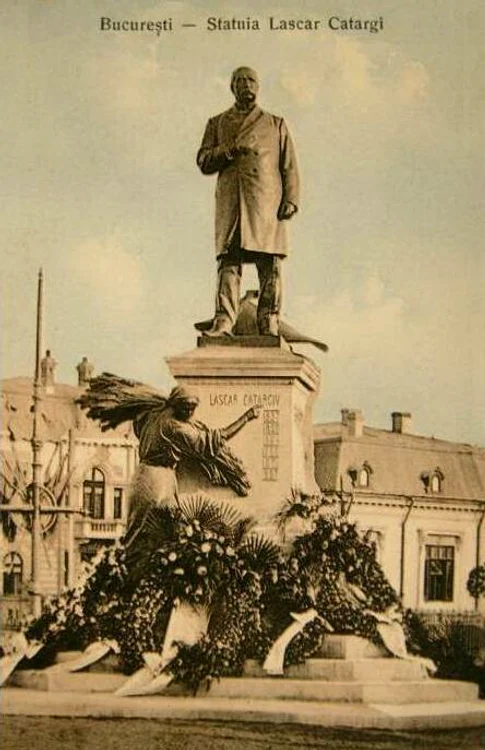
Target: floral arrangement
[333,569]
[205,555]
[93,610]
[476,581]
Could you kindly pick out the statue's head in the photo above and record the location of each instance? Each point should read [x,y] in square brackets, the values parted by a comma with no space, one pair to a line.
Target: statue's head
[245,86]
[182,402]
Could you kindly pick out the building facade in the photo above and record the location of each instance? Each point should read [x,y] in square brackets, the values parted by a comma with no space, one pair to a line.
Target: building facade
[420,499]
[84,470]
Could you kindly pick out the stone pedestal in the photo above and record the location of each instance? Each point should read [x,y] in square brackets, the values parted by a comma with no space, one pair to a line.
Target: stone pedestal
[231,375]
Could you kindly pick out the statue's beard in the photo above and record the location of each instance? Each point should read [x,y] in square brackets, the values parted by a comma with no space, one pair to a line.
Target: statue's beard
[246,98]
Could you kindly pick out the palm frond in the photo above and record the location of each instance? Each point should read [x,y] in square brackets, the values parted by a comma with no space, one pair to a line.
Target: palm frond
[261,552]
[199,508]
[149,530]
[220,518]
[241,530]
[159,526]
[298,504]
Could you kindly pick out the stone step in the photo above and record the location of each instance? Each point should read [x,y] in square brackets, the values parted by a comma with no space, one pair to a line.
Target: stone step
[355,670]
[336,646]
[16,702]
[282,688]
[57,680]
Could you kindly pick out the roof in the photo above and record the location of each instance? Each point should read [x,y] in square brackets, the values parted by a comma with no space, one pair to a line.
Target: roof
[58,412]
[399,462]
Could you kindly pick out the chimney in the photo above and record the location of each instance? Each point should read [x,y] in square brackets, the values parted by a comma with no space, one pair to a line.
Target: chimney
[345,416]
[355,422]
[401,422]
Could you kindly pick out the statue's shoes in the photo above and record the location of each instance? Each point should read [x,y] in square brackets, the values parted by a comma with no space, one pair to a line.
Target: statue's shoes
[217,331]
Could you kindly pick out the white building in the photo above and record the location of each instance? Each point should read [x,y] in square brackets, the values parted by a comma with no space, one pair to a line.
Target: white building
[420,498]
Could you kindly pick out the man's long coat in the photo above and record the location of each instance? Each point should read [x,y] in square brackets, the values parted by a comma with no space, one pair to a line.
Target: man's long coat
[250,188]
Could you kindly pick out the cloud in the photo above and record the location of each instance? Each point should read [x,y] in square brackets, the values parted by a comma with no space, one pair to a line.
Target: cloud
[370,82]
[300,86]
[125,80]
[414,81]
[356,324]
[110,273]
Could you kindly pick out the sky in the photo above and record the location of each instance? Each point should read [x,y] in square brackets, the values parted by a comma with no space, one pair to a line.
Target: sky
[99,132]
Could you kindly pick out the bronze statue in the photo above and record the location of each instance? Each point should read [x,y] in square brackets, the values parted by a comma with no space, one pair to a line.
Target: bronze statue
[257,192]
[167,433]
[246,324]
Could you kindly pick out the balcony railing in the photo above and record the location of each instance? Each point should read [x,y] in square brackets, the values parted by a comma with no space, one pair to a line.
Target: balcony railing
[97,528]
[14,609]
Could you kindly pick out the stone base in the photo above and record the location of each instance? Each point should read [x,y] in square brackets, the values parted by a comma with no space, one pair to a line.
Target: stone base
[55,680]
[412,716]
[357,686]
[402,693]
[247,341]
[277,448]
[342,670]
[351,647]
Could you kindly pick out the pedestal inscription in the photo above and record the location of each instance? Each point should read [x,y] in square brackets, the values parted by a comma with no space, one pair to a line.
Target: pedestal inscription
[277,448]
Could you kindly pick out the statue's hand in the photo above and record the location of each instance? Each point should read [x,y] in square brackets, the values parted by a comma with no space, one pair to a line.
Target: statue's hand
[286,210]
[240,149]
[253,412]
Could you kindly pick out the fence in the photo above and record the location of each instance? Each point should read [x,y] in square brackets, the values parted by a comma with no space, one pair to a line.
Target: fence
[469,626]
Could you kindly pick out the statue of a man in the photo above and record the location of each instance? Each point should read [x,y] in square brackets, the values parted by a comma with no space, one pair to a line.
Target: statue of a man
[257,192]
[84,372]
[47,366]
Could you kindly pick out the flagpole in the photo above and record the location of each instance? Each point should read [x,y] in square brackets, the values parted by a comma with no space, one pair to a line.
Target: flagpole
[36,455]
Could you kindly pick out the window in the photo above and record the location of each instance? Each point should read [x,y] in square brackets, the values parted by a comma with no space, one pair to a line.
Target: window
[439,573]
[433,480]
[360,477]
[12,574]
[118,503]
[93,494]
[66,568]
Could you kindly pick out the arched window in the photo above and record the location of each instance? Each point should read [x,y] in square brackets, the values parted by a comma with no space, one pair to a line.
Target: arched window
[94,494]
[13,570]
[433,480]
[364,477]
